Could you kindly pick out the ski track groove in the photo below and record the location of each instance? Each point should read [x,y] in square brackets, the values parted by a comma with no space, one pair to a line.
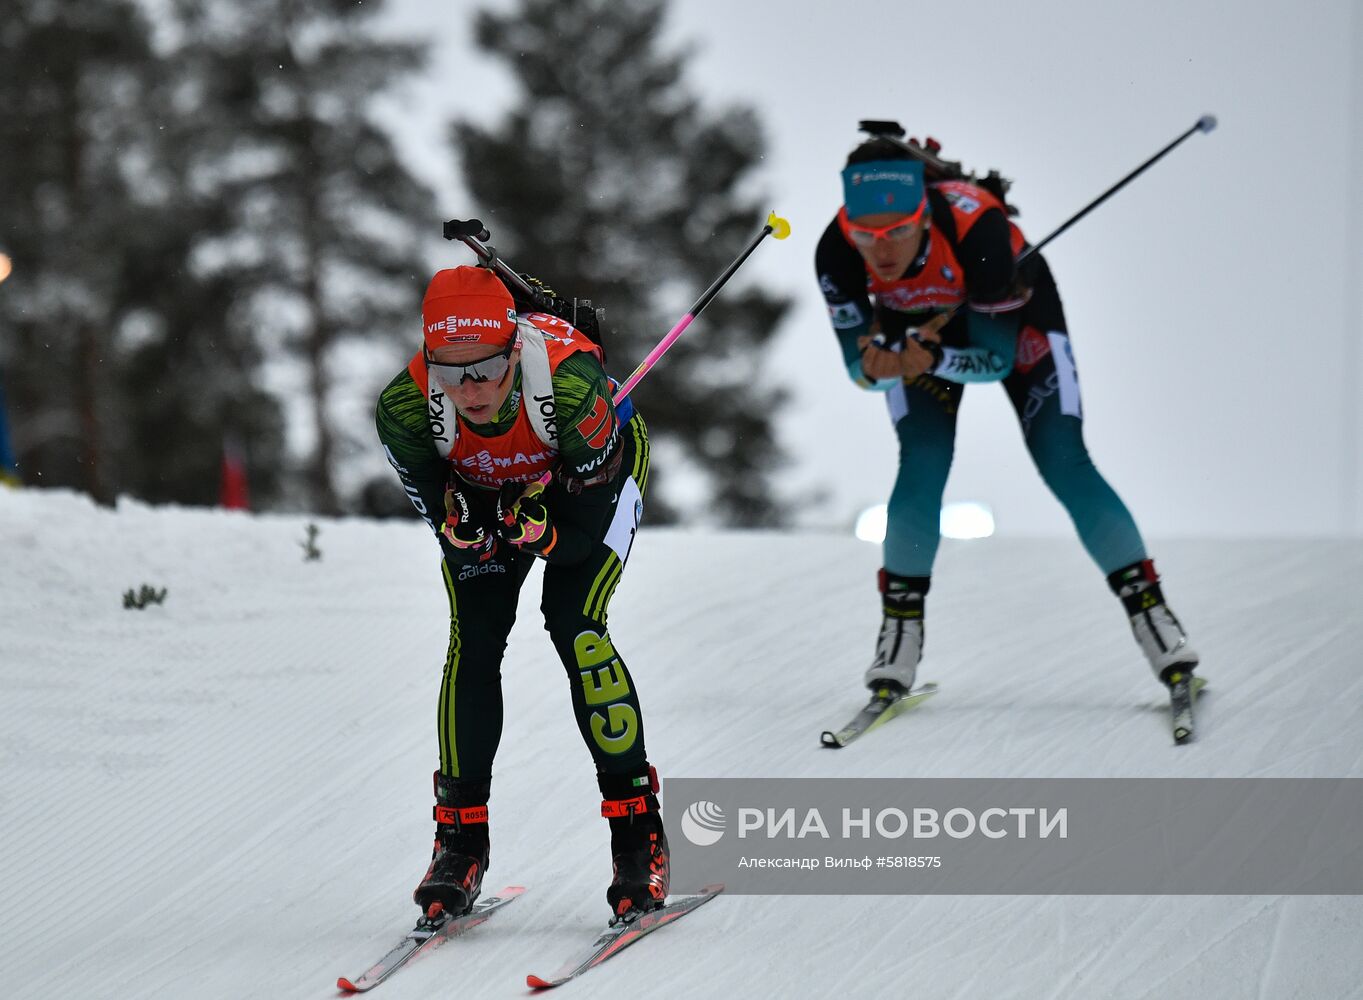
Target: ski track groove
[1206,946]
[1271,952]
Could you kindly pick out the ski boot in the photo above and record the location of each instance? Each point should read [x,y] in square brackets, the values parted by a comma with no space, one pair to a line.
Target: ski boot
[460,856]
[900,644]
[638,843]
[1158,633]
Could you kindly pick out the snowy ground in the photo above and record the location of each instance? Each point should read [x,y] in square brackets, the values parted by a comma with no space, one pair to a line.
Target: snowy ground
[229,795]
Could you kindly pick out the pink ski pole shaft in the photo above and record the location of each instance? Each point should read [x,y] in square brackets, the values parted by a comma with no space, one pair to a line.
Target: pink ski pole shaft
[776,226]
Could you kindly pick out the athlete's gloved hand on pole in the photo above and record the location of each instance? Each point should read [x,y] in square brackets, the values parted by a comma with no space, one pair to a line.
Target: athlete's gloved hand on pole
[919,353]
[923,347]
[878,361]
[523,520]
[469,539]
[917,357]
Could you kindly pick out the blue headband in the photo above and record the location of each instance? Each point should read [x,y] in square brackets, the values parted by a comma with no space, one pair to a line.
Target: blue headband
[882,186]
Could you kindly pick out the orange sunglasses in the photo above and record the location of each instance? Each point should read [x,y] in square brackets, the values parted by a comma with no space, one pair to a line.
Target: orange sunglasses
[867,235]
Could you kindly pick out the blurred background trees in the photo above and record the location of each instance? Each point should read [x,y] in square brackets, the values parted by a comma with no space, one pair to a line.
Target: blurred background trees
[610,181]
[73,78]
[219,252]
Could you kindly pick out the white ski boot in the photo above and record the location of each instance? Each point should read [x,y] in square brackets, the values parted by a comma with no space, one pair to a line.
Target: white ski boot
[900,644]
[1158,632]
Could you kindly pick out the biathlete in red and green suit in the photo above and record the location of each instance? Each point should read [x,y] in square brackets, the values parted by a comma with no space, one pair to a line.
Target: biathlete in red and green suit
[493,402]
[900,256]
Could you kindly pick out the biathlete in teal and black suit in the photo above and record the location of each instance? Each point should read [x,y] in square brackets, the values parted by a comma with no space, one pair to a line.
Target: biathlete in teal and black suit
[938,258]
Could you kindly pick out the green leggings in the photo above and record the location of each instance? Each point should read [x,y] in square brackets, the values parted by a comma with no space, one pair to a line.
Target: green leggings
[575,602]
[1044,392]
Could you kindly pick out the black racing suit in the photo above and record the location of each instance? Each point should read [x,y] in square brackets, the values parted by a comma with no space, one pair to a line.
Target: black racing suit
[595,526]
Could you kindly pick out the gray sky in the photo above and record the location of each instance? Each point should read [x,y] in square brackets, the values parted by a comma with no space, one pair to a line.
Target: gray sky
[1211,304]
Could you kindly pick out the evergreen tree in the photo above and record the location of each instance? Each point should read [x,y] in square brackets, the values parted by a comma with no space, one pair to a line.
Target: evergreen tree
[611,182]
[191,372]
[322,226]
[73,79]
[124,373]
[191,384]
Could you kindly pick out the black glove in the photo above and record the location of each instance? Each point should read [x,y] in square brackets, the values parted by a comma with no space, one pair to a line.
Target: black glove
[933,347]
[470,540]
[523,520]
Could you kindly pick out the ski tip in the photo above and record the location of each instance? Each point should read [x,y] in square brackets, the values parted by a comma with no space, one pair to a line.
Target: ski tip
[345,984]
[830,740]
[536,983]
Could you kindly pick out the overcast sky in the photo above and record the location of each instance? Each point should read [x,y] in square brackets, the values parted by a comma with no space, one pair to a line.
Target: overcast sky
[1212,304]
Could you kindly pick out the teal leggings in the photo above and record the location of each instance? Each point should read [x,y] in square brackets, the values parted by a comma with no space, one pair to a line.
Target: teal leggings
[1044,392]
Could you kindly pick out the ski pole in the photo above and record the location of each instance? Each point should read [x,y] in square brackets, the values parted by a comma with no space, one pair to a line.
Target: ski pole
[775,226]
[1204,124]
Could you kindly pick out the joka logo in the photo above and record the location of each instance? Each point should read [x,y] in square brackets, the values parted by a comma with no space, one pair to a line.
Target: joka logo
[703,823]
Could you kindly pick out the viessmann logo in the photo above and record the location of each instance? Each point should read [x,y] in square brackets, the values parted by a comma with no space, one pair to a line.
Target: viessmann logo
[453,324]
